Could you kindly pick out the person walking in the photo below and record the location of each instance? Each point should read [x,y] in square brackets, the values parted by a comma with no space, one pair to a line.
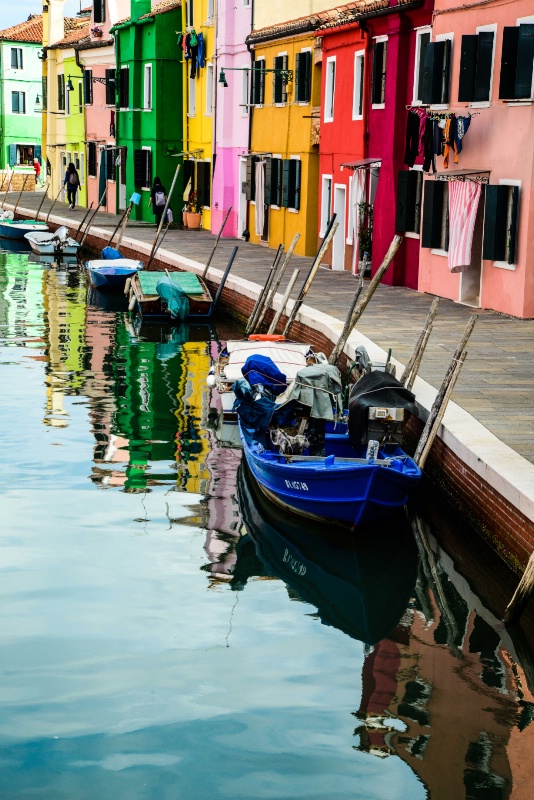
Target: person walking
[72,181]
[158,198]
[37,170]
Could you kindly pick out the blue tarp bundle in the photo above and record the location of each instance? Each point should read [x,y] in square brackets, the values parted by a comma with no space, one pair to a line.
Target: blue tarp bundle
[177,300]
[110,253]
[263,370]
[255,416]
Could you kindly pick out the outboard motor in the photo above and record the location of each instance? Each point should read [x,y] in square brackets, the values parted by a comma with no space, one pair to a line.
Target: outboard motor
[379,405]
[62,235]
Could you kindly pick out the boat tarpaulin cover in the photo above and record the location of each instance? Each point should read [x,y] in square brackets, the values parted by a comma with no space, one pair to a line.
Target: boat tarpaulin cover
[187,281]
[375,389]
[262,370]
[289,357]
[175,297]
[110,254]
[318,387]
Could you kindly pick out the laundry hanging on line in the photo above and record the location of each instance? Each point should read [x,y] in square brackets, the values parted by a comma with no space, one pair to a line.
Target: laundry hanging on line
[432,134]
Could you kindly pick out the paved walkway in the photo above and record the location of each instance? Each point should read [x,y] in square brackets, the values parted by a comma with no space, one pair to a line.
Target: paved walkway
[496,385]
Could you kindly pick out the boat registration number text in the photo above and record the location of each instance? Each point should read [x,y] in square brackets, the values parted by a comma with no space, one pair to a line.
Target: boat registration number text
[297,485]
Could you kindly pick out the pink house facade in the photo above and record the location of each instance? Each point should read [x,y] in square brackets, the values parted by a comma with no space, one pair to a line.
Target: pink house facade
[231,116]
[491,78]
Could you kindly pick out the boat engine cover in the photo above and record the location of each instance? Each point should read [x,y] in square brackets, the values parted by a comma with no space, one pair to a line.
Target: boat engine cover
[376,389]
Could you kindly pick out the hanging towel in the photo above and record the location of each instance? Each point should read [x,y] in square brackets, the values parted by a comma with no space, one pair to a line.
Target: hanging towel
[357,197]
[259,216]
[201,55]
[463,205]
[462,126]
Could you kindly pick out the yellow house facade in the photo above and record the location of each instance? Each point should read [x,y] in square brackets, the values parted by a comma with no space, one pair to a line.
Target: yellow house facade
[282,170]
[197,42]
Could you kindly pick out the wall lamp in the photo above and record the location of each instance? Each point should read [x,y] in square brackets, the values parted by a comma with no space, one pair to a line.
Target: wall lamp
[70,86]
[286,75]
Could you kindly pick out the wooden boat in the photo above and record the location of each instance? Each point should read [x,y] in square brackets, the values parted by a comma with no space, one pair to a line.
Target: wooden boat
[144,295]
[16,229]
[360,473]
[104,274]
[57,244]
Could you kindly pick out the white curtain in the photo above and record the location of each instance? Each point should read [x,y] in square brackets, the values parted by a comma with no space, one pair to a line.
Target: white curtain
[357,189]
[259,216]
[463,207]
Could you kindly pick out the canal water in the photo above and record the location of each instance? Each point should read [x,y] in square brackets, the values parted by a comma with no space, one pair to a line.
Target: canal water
[165,633]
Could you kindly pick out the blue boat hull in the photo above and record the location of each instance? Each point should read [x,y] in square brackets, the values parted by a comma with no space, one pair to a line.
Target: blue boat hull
[11,232]
[333,490]
[111,279]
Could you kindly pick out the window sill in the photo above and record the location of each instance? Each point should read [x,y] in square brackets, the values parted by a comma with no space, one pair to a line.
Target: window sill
[480,104]
[280,105]
[303,102]
[378,106]
[293,210]
[438,107]
[145,189]
[504,265]
[274,208]
[146,109]
[328,119]
[357,118]
[437,252]
[191,116]
[518,103]
[411,235]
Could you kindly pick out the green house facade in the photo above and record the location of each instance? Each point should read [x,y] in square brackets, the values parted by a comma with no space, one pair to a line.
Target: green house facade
[20,94]
[149,101]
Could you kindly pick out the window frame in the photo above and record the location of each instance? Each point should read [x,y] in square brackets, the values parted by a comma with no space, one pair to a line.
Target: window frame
[245,92]
[190,14]
[325,217]
[377,106]
[191,97]
[358,86]
[305,102]
[21,101]
[330,89]
[124,88]
[444,37]
[492,28]
[147,87]
[261,78]
[210,73]
[277,80]
[99,18]
[210,9]
[19,60]
[418,65]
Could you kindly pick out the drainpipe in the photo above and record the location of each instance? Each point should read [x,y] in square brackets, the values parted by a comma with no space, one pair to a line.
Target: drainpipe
[249,48]
[366,88]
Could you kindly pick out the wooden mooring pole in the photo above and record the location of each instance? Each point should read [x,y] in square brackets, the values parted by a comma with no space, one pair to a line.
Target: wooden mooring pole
[20,194]
[412,367]
[517,604]
[285,298]
[266,285]
[276,283]
[208,262]
[45,193]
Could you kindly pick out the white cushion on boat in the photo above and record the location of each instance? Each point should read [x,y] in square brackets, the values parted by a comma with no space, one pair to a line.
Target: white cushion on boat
[289,357]
[131,263]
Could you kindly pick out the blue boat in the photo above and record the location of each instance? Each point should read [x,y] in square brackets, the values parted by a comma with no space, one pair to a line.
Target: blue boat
[112,275]
[359,473]
[18,228]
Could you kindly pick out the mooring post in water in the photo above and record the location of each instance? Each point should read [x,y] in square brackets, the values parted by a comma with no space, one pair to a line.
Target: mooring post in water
[95,212]
[80,226]
[43,199]
[285,298]
[259,300]
[274,288]
[53,204]
[412,367]
[223,279]
[165,209]
[517,604]
[362,304]
[253,321]
[208,262]
[119,223]
[20,194]
[153,254]
[8,188]
[346,327]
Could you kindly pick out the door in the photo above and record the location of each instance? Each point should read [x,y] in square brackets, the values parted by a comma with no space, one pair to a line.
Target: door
[122,178]
[242,210]
[338,246]
[62,171]
[470,279]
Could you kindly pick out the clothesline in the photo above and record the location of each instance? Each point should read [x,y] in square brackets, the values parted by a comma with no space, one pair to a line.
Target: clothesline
[436,114]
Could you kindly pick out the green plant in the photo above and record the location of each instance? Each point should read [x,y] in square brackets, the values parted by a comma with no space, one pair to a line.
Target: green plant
[365,228]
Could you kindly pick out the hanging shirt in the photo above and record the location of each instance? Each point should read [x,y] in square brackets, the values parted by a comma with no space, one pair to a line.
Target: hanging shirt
[201,56]
[462,126]
[187,43]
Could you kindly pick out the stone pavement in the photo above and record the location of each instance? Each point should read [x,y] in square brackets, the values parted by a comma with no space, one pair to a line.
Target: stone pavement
[496,385]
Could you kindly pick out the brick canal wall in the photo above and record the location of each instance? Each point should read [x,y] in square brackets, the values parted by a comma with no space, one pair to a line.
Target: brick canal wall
[472,476]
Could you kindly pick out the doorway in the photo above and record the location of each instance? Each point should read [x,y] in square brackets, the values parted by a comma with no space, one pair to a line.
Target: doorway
[242,209]
[338,245]
[471,278]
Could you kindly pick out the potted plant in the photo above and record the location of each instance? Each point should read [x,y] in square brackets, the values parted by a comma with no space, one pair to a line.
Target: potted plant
[96,31]
[193,214]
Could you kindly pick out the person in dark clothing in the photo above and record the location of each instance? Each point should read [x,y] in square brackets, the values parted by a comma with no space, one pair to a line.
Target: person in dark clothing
[158,198]
[72,182]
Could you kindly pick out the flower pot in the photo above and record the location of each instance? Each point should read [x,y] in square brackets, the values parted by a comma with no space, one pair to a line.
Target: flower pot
[184,218]
[193,220]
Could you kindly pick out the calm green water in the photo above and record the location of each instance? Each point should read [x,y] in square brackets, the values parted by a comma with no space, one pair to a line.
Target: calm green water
[166,634]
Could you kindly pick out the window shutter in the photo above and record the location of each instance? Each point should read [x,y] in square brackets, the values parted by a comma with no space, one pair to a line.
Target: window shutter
[298,77]
[428,72]
[207,184]
[432,214]
[296,170]
[445,72]
[285,64]
[512,231]
[44,84]
[525,57]
[256,83]
[269,181]
[286,166]
[38,152]
[468,68]
[510,38]
[91,159]
[15,102]
[61,93]
[124,98]
[139,167]
[377,75]
[406,201]
[484,65]
[148,169]
[88,86]
[200,183]
[306,82]
[110,87]
[278,80]
[251,178]
[12,155]
[496,211]
[436,72]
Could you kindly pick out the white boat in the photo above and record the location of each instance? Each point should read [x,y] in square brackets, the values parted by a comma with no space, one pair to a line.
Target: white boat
[111,274]
[6,214]
[289,357]
[58,243]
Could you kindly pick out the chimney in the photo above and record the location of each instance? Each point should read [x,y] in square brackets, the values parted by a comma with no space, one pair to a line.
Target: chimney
[56,21]
[138,8]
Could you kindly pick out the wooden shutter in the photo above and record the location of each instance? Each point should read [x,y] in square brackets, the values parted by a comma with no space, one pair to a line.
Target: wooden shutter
[44,84]
[200,183]
[12,155]
[99,7]
[525,57]
[207,184]
[296,167]
[436,72]
[512,231]
[510,38]
[124,94]
[61,93]
[432,214]
[110,165]
[428,73]
[445,72]
[148,169]
[110,87]
[302,77]
[277,80]
[484,65]
[88,86]
[468,67]
[286,166]
[408,181]
[496,212]
[251,178]
[38,152]
[378,73]
[139,167]
[91,159]
[256,83]
[269,181]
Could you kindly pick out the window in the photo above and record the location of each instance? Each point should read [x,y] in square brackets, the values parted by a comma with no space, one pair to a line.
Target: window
[251,178]
[18,102]
[273,181]
[190,14]
[99,11]
[244,92]
[258,82]
[435,233]
[192,108]
[124,88]
[110,87]
[330,88]
[211,10]
[143,168]
[246,3]
[291,169]
[189,174]
[476,66]
[67,103]
[209,89]
[16,58]
[303,77]
[516,65]
[80,98]
[44,89]
[81,171]
[500,223]
[61,93]
[409,195]
[280,88]
[357,92]
[91,159]
[378,85]
[88,86]
[436,72]
[147,88]
[110,164]
[203,183]
[326,203]
[422,40]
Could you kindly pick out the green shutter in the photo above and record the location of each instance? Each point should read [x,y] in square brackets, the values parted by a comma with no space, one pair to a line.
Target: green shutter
[484,66]
[468,67]
[296,169]
[12,155]
[139,168]
[298,78]
[525,57]
[432,213]
[496,212]
[406,190]
[200,183]
[277,163]
[256,83]
[286,167]
[510,38]
[428,72]
[110,87]
[268,181]
[436,72]
[512,231]
[446,72]
[278,85]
